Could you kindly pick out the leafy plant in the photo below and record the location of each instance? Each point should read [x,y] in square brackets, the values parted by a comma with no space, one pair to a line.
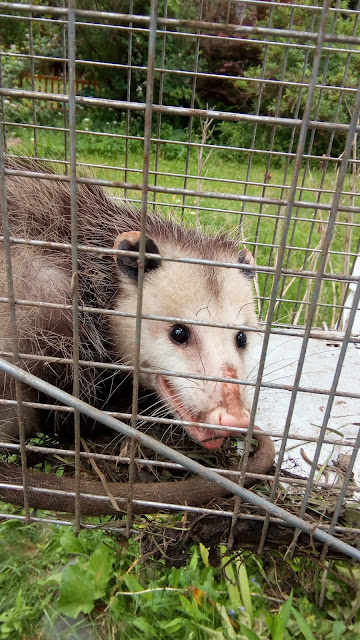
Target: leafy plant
[51,579]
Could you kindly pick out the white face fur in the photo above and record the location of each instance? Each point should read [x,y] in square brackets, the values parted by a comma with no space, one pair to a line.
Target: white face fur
[197,292]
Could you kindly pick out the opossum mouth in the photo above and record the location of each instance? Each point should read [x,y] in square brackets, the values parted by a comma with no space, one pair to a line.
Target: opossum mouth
[208,438]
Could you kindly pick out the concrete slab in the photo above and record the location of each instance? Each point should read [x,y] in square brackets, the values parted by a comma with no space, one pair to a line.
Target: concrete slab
[318,372]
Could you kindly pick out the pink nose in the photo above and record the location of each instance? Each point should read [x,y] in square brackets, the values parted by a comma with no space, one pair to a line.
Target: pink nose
[231,397]
[228,420]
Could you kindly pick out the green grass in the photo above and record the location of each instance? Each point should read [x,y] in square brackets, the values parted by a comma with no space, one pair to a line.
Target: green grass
[261,223]
[51,580]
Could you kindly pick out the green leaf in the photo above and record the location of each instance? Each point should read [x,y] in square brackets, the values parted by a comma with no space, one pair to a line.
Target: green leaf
[55,577]
[194,560]
[277,632]
[284,613]
[132,582]
[173,626]
[77,592]
[70,543]
[338,629]
[143,625]
[187,606]
[233,591]
[303,625]
[214,635]
[100,564]
[269,621]
[204,552]
[226,622]
[18,600]
[245,589]
[249,633]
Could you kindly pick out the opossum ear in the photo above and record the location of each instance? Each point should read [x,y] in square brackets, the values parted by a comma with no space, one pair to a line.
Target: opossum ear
[246,257]
[130,241]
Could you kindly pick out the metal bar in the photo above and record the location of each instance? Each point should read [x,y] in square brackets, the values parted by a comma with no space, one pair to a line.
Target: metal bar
[115,16]
[191,119]
[179,374]
[227,116]
[205,178]
[174,22]
[303,182]
[279,154]
[318,334]
[175,456]
[65,77]
[231,265]
[128,95]
[13,323]
[58,521]
[178,191]
[337,488]
[287,168]
[2,102]
[74,248]
[100,311]
[163,71]
[121,530]
[253,138]
[32,72]
[144,207]
[289,206]
[160,70]
[328,152]
[180,34]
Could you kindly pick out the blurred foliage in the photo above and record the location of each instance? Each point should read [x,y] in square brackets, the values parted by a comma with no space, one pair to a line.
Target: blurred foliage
[105,47]
[293,66]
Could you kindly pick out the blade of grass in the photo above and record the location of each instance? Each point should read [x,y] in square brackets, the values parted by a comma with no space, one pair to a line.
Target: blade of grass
[244,588]
[303,625]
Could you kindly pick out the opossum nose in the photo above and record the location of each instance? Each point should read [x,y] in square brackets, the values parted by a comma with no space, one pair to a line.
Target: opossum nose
[221,417]
[229,372]
[231,397]
[228,420]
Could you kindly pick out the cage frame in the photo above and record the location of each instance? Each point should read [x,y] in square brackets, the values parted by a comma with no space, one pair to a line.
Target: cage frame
[155,27]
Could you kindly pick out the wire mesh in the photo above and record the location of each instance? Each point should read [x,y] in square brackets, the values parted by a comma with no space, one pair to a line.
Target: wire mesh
[241,116]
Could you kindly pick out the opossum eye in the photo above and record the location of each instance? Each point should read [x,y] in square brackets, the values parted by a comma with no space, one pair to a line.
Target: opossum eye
[241,339]
[179,333]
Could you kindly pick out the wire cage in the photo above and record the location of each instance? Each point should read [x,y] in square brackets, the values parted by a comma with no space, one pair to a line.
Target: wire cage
[241,116]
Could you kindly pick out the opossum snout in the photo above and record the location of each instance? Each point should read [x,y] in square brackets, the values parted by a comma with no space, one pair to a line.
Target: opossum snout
[213,438]
[229,412]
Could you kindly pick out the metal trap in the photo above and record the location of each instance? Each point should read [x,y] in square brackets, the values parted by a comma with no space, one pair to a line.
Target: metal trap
[240,116]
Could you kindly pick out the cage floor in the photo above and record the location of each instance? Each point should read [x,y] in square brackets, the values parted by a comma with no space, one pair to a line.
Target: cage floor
[310,408]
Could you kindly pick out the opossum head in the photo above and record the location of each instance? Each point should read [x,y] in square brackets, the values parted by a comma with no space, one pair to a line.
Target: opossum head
[190,292]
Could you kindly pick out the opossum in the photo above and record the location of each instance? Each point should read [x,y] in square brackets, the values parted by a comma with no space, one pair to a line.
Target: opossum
[39,209]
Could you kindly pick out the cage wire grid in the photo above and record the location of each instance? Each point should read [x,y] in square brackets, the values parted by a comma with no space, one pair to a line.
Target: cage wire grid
[298,214]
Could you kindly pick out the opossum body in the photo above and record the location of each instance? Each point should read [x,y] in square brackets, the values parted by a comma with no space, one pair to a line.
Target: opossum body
[39,209]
